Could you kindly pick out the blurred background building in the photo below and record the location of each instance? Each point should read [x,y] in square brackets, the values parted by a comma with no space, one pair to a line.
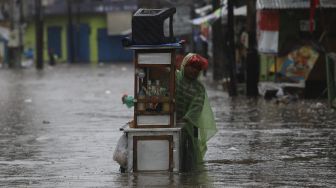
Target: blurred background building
[85,31]
[245,41]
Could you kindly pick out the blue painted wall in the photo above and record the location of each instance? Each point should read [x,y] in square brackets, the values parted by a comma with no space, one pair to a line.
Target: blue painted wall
[55,40]
[110,48]
[81,43]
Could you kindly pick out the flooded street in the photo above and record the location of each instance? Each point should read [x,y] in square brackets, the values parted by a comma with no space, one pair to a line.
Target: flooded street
[59,128]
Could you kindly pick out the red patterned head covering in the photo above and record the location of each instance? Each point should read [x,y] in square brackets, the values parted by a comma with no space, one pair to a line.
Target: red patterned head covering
[198,62]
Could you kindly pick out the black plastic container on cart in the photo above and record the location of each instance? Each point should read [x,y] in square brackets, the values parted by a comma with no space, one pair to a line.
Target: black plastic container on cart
[148,26]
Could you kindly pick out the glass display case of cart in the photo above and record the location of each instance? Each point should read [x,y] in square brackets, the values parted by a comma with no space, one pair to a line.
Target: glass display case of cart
[154,88]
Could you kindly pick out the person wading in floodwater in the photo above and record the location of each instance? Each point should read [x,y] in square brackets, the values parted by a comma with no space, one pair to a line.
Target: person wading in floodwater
[192,109]
[51,55]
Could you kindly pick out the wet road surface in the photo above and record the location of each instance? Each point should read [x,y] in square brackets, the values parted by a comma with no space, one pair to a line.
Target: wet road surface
[59,128]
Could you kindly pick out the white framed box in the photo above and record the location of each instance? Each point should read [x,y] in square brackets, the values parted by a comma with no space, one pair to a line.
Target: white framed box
[154,58]
[153,149]
[154,88]
[143,120]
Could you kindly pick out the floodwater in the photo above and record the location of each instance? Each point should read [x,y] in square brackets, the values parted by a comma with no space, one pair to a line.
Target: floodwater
[59,128]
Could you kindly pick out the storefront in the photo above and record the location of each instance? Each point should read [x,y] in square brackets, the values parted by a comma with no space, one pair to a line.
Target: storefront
[293,37]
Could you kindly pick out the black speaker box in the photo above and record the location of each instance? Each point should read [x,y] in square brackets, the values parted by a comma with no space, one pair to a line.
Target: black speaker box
[148,26]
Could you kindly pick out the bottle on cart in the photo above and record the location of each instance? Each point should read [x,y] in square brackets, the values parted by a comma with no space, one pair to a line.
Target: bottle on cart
[157,87]
[158,107]
[149,87]
[141,96]
[149,106]
[166,103]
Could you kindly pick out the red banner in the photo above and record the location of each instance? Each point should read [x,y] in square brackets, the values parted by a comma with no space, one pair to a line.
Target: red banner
[313,5]
[269,20]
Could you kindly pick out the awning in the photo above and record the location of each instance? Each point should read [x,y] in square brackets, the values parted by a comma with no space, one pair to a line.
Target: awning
[208,18]
[203,10]
[221,12]
[292,4]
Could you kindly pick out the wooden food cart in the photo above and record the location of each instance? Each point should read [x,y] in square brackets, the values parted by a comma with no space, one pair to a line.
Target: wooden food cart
[153,139]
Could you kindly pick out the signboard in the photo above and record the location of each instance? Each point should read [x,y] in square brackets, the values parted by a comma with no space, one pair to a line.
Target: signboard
[119,22]
[297,65]
[305,25]
[13,38]
[268,31]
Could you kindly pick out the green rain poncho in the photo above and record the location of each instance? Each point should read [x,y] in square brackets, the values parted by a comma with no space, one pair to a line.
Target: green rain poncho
[192,107]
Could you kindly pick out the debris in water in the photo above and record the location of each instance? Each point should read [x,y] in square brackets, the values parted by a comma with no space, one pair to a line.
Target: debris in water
[45,122]
[28,100]
[233,149]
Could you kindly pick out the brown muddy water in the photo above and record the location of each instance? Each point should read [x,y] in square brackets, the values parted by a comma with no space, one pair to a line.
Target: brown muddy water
[59,128]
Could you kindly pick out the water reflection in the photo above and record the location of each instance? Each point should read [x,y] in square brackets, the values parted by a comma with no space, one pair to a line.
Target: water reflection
[153,179]
[197,178]
[18,148]
[59,128]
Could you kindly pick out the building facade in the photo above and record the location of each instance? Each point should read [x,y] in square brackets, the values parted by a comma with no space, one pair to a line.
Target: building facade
[84,30]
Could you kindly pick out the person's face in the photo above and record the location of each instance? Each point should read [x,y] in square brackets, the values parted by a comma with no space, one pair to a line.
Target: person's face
[191,72]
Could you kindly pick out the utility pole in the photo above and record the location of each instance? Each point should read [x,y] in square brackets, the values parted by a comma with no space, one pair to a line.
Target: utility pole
[71,33]
[252,59]
[39,34]
[217,45]
[21,20]
[77,31]
[191,39]
[14,37]
[231,51]
[11,60]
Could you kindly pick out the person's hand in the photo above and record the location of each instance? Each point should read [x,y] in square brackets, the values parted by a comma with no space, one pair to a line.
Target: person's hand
[123,98]
[131,124]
